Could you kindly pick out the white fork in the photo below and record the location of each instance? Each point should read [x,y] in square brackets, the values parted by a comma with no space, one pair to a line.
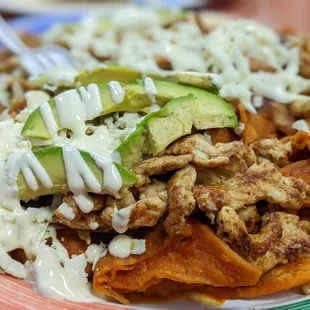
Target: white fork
[34,60]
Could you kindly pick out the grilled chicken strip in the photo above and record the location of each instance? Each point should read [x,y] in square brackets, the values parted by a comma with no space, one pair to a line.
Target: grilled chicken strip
[259,182]
[207,155]
[150,207]
[284,238]
[181,199]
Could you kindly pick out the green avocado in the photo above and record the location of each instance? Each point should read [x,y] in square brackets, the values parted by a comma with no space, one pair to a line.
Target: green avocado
[174,120]
[130,75]
[52,161]
[168,16]
[113,72]
[135,100]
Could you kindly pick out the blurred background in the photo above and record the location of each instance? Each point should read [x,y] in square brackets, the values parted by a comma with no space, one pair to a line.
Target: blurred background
[278,13]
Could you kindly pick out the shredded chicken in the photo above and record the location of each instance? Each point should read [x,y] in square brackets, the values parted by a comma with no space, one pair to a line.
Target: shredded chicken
[16,106]
[181,199]
[145,212]
[84,235]
[258,65]
[159,165]
[250,217]
[283,239]
[259,182]
[218,175]
[163,62]
[273,150]
[127,200]
[306,288]
[9,64]
[206,155]
[280,115]
[201,24]
[304,47]
[300,109]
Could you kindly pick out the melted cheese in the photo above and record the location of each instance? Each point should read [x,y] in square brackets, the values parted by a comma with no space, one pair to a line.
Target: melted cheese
[120,219]
[301,124]
[226,51]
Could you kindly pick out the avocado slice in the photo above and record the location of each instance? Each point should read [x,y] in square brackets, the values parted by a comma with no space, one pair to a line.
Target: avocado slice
[52,161]
[173,121]
[113,72]
[135,100]
[130,75]
[168,16]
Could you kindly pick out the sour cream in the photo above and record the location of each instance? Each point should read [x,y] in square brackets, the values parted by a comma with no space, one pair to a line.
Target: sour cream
[117,92]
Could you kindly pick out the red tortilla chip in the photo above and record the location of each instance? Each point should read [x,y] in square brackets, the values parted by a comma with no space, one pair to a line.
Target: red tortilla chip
[301,141]
[222,135]
[199,258]
[280,278]
[168,290]
[300,169]
[257,126]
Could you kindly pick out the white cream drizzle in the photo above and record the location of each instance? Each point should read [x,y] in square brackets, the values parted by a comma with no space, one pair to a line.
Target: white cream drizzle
[93,225]
[53,273]
[79,174]
[66,211]
[32,168]
[150,89]
[121,218]
[48,118]
[239,130]
[117,92]
[123,245]
[120,246]
[11,139]
[28,164]
[35,97]
[112,179]
[71,112]
[92,100]
[94,252]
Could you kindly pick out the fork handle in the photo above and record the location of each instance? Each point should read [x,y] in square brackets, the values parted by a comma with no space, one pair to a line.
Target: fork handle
[10,39]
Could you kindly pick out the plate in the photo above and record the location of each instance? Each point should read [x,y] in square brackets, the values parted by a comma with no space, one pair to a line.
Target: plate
[16,294]
[61,6]
[56,6]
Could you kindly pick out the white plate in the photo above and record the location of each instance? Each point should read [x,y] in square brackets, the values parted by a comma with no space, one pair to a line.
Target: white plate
[65,6]
[56,6]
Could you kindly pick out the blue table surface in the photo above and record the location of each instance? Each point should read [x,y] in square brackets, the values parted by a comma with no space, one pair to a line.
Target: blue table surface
[40,23]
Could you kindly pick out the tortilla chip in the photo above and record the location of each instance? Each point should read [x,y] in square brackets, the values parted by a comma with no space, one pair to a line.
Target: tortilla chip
[300,169]
[222,135]
[280,278]
[301,141]
[199,257]
[71,241]
[164,289]
[257,126]
[168,290]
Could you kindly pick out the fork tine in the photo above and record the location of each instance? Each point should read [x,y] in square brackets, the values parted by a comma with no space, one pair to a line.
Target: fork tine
[31,65]
[56,59]
[43,60]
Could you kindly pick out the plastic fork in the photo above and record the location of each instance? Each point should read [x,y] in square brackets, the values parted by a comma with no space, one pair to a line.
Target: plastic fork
[34,60]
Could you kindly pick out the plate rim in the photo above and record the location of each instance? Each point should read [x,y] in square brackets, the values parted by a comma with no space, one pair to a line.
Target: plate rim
[33,20]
